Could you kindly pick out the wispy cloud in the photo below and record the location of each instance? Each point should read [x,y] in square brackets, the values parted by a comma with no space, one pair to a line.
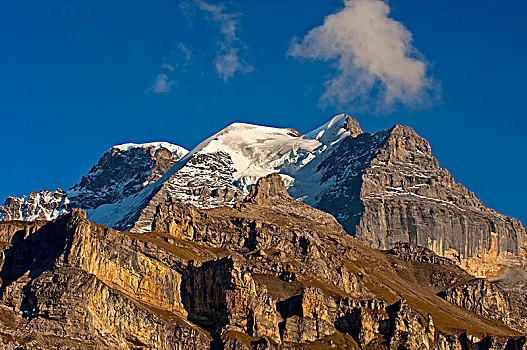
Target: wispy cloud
[172,64]
[161,84]
[230,54]
[375,61]
[187,54]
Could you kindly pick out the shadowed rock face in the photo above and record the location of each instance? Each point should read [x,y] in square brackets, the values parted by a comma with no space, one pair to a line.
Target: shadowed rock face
[121,173]
[269,273]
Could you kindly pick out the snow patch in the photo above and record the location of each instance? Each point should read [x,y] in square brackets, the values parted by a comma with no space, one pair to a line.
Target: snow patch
[175,149]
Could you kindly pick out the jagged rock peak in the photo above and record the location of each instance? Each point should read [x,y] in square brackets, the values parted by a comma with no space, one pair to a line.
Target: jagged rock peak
[268,187]
[352,125]
[407,132]
[403,130]
[404,137]
[335,130]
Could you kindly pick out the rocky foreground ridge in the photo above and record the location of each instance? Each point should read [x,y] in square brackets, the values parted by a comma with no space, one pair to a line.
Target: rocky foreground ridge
[383,188]
[268,273]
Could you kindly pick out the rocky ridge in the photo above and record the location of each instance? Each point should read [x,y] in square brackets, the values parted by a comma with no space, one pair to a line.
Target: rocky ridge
[42,205]
[383,188]
[270,272]
[122,171]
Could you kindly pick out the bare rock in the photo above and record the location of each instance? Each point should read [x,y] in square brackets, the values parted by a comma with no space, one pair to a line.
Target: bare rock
[486,299]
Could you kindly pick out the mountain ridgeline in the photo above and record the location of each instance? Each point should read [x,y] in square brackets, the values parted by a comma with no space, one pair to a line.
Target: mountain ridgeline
[383,188]
[262,238]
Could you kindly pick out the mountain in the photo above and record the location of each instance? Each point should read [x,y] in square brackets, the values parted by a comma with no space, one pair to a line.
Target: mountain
[220,170]
[121,171]
[383,188]
[270,272]
[388,187]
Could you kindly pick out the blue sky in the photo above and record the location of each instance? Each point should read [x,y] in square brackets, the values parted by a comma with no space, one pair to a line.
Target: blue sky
[80,76]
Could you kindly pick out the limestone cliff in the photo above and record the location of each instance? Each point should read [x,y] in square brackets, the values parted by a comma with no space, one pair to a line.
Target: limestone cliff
[389,188]
[269,273]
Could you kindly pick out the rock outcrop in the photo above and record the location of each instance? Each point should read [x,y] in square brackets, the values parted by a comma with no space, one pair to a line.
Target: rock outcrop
[487,299]
[43,205]
[412,252]
[269,273]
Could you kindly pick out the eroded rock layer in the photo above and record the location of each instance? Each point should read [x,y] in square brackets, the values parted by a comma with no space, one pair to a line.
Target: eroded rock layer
[269,273]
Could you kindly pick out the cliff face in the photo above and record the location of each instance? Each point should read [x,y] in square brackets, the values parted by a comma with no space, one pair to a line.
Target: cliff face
[75,283]
[269,273]
[390,189]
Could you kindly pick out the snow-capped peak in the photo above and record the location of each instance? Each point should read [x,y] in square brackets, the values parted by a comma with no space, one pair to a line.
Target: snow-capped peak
[127,184]
[256,150]
[175,149]
[335,130]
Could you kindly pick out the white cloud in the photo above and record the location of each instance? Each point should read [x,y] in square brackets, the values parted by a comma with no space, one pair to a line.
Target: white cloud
[161,85]
[229,56]
[375,61]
